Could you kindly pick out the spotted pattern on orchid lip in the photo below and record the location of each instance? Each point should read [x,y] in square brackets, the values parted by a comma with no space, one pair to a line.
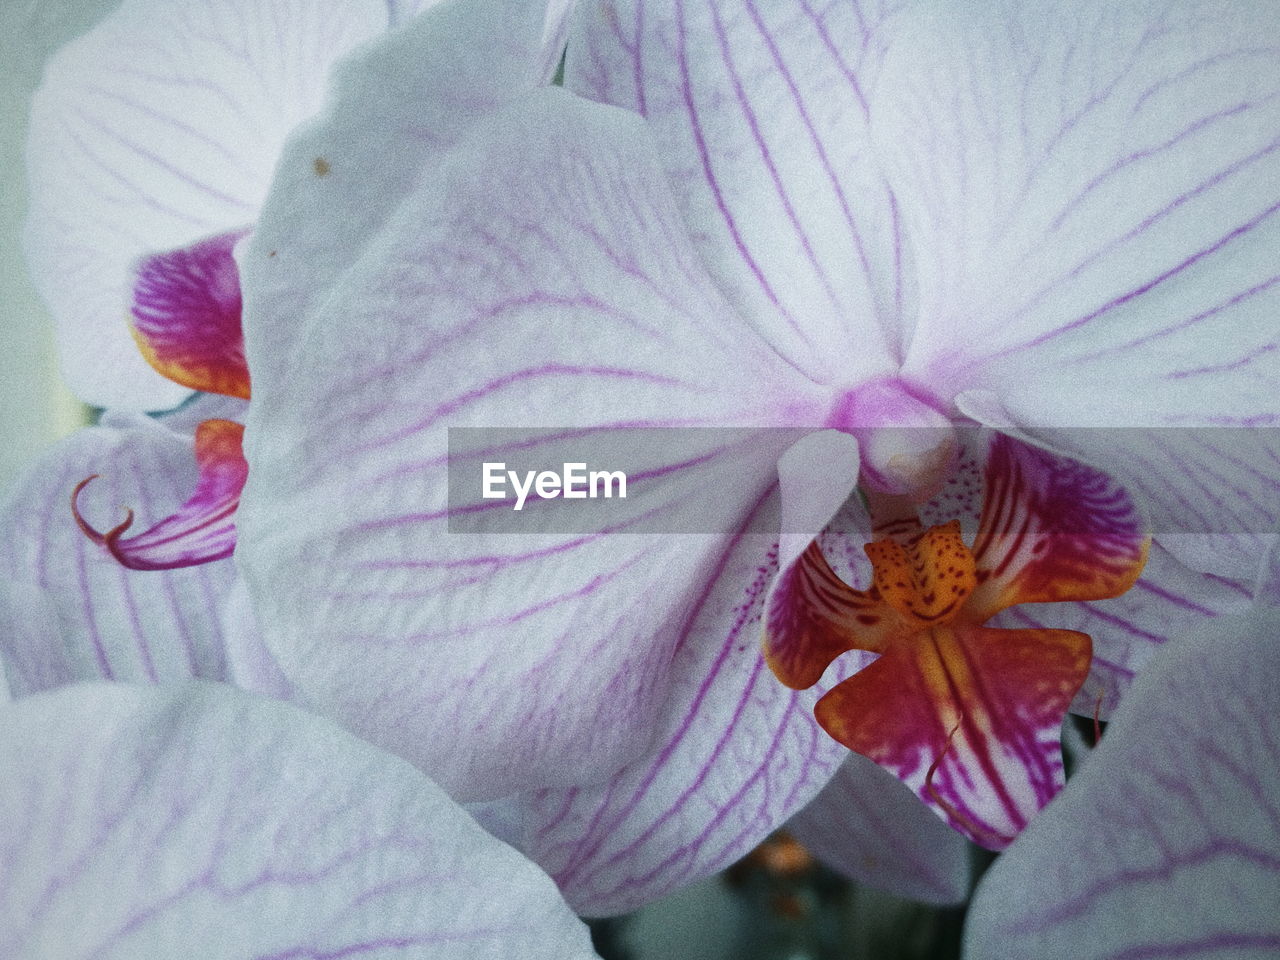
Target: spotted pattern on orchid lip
[966,715]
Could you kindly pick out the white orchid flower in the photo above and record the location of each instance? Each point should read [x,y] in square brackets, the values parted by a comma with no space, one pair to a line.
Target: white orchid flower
[883,222]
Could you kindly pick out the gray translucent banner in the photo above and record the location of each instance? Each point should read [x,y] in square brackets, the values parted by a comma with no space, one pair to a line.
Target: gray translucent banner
[622,480]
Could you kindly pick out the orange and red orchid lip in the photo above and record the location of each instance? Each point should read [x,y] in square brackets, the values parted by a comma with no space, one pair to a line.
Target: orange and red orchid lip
[966,715]
[203,529]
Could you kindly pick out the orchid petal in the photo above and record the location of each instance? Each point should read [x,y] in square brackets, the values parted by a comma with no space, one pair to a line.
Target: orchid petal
[72,611]
[204,527]
[186,316]
[250,665]
[1052,529]
[1091,193]
[872,829]
[1168,600]
[762,125]
[1229,556]
[1166,842]
[153,823]
[551,651]
[422,87]
[158,127]
[737,755]
[969,719]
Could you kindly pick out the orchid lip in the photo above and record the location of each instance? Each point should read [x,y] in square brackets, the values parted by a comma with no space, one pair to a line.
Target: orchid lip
[186,315]
[201,530]
[112,536]
[978,706]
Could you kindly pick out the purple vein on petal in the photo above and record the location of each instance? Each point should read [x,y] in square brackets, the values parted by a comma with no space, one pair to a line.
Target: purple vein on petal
[202,84]
[1232,301]
[835,54]
[1095,100]
[90,619]
[819,148]
[766,155]
[1139,155]
[140,194]
[1184,602]
[1227,366]
[704,155]
[547,603]
[160,162]
[465,331]
[1163,277]
[651,777]
[516,378]
[1207,63]
[229,156]
[177,604]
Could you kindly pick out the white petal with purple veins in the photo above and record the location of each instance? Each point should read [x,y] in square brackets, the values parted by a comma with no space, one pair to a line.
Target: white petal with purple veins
[200,821]
[1166,843]
[161,126]
[738,753]
[536,276]
[760,113]
[872,828]
[1090,191]
[422,88]
[71,611]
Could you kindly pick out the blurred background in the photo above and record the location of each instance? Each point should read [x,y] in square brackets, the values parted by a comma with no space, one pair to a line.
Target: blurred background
[779,903]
